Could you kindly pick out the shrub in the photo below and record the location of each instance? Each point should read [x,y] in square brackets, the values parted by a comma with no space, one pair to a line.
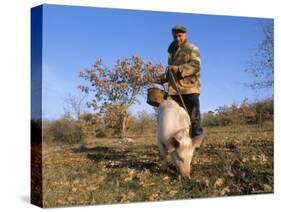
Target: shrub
[64,131]
[210,119]
[256,113]
[142,125]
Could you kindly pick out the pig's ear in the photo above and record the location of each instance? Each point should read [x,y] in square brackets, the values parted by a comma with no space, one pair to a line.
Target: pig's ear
[175,140]
[173,143]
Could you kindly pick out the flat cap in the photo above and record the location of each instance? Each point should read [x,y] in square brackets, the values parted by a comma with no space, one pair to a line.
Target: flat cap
[178,28]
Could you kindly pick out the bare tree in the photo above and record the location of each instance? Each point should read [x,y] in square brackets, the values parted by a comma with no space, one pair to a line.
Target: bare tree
[261,64]
[75,105]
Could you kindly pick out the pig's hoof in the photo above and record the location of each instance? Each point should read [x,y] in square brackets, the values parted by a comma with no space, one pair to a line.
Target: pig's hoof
[164,165]
[163,168]
[184,178]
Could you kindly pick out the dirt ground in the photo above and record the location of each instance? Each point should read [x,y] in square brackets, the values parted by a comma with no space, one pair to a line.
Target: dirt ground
[232,161]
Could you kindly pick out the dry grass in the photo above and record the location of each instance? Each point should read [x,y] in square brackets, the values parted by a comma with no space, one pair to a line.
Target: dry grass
[232,161]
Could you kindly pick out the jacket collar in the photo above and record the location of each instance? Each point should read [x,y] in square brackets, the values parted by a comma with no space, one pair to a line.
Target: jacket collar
[182,45]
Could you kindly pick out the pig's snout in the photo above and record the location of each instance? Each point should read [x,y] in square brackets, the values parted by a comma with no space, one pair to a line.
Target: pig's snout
[185,171]
[186,175]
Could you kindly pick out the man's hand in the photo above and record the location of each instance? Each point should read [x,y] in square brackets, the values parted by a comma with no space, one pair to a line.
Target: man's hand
[158,79]
[173,69]
[161,79]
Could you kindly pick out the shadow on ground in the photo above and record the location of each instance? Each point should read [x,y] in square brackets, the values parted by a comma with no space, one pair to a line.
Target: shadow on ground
[144,158]
[212,162]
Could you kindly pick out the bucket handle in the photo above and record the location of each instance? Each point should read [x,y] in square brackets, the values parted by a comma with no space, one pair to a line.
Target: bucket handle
[164,89]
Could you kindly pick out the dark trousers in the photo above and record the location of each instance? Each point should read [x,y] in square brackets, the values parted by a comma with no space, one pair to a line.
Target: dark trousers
[191,102]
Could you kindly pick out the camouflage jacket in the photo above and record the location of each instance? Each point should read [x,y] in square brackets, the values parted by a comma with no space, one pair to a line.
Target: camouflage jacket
[187,58]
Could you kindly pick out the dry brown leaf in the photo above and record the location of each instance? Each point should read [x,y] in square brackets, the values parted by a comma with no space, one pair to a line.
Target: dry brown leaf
[267,188]
[218,184]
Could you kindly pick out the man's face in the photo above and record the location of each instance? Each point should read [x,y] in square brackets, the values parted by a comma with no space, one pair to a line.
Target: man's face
[179,37]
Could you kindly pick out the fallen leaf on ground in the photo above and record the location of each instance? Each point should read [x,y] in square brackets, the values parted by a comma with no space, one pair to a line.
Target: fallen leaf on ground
[218,184]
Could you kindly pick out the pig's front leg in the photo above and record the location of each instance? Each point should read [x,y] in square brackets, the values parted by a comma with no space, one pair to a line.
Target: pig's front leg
[163,155]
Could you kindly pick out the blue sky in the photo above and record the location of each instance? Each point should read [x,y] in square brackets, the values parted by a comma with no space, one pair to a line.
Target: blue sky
[75,37]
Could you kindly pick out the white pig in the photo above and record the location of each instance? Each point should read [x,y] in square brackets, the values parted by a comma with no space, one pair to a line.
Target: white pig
[173,136]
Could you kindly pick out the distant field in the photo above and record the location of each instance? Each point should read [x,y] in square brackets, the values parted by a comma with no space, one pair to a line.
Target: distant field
[232,161]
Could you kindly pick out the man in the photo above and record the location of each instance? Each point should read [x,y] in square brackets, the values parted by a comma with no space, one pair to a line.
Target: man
[184,63]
